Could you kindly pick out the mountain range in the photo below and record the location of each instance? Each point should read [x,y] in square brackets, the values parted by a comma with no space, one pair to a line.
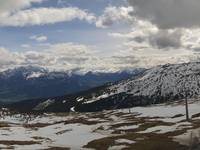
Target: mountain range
[31,82]
[156,85]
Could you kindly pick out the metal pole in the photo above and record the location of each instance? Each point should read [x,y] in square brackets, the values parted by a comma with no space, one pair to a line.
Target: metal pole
[186,101]
[186,109]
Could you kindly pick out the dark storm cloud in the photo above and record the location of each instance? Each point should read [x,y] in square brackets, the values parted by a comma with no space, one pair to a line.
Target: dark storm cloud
[168,14]
[166,39]
[125,60]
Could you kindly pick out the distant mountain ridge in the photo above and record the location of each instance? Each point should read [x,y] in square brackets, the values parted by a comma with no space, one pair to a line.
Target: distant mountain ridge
[30,82]
[156,85]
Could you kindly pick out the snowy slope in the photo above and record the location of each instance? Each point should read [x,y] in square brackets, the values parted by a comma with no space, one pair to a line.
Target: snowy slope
[164,81]
[156,85]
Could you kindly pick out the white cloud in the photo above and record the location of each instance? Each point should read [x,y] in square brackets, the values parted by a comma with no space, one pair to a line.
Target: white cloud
[9,59]
[17,13]
[39,38]
[63,56]
[25,46]
[161,25]
[42,16]
[141,55]
[152,40]
[146,46]
[114,14]
[9,6]
[82,58]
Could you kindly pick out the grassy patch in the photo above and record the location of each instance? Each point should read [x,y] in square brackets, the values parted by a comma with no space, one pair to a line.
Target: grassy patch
[41,138]
[3,125]
[36,125]
[57,148]
[196,115]
[149,141]
[5,142]
[177,116]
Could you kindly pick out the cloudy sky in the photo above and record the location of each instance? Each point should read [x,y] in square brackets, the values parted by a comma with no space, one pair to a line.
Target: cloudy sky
[98,35]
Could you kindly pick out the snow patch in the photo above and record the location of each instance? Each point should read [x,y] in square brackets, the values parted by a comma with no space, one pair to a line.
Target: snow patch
[34,75]
[44,105]
[125,141]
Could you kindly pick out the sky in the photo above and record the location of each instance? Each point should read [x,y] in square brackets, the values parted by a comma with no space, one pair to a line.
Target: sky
[98,35]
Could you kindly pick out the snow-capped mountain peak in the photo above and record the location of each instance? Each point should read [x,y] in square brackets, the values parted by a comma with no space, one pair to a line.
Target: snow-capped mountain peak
[35,75]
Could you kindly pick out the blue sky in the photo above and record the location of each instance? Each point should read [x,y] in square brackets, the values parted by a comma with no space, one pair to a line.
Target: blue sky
[98,35]
[74,31]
